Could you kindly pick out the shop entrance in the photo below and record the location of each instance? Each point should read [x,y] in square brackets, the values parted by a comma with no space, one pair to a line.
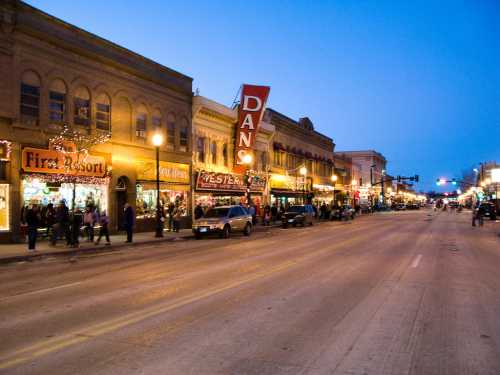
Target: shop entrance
[121,198]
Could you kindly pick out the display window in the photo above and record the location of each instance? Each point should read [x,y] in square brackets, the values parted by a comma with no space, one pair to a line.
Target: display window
[210,200]
[38,191]
[4,207]
[146,194]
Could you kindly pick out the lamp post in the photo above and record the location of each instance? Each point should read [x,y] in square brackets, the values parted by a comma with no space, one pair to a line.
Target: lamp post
[334,181]
[248,160]
[353,185]
[303,172]
[157,142]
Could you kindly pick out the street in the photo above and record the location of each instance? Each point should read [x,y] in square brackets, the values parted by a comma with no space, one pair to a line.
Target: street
[412,292]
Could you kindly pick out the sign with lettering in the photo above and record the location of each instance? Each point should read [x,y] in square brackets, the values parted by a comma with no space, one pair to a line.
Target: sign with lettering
[51,161]
[252,105]
[229,182]
[169,172]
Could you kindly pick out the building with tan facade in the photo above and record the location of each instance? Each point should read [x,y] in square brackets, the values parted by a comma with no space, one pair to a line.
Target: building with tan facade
[302,163]
[54,74]
[214,179]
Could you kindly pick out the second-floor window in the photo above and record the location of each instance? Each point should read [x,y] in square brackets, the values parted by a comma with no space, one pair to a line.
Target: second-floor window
[156,120]
[213,152]
[30,98]
[184,137]
[57,101]
[171,132]
[81,103]
[103,113]
[141,120]
[225,155]
[200,149]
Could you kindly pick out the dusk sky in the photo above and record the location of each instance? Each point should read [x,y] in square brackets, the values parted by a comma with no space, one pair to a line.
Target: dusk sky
[417,81]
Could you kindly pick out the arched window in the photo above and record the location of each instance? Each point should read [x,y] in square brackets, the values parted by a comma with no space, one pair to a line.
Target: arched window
[200,149]
[57,101]
[184,136]
[225,155]
[103,112]
[30,97]
[156,120]
[81,102]
[171,131]
[141,120]
[213,152]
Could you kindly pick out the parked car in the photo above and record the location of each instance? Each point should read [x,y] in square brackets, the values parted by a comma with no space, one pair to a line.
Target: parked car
[489,210]
[413,206]
[344,212]
[400,207]
[223,220]
[298,215]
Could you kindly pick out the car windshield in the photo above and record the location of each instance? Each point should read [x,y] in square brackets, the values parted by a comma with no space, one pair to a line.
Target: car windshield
[296,209]
[216,212]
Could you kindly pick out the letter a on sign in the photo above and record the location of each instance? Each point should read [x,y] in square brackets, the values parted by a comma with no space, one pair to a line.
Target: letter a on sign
[252,105]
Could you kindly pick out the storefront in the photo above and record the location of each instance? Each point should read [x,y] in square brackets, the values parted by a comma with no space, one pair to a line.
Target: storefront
[287,190]
[220,189]
[174,190]
[52,177]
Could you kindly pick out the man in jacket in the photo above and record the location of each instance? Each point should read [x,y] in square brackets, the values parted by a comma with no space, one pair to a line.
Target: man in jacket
[128,221]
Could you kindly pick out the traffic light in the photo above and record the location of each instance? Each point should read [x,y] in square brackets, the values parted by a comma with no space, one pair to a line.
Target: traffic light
[417,177]
[438,182]
[399,178]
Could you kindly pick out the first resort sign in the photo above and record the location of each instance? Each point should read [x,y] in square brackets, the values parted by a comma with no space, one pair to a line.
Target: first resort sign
[36,160]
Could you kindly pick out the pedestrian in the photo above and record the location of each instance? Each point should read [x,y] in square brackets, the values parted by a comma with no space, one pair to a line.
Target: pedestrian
[88,222]
[274,213]
[198,212]
[76,226]
[61,227]
[128,221]
[33,222]
[103,230]
[176,218]
[170,211]
[267,216]
[50,219]
[323,210]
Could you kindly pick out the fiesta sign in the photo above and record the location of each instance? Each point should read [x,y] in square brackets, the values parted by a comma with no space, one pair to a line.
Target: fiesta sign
[252,105]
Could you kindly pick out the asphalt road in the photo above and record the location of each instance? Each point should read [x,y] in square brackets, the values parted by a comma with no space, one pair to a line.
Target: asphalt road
[392,293]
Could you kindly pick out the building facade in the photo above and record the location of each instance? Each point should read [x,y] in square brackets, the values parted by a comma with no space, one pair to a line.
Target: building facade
[214,180]
[301,168]
[52,75]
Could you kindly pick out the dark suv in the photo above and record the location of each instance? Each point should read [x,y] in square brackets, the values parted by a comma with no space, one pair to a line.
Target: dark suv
[489,210]
[298,215]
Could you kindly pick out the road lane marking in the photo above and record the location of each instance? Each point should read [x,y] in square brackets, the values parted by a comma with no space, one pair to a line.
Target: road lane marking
[416,261]
[41,290]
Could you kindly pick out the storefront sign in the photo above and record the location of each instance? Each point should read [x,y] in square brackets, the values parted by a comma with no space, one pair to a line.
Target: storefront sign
[283,182]
[227,182]
[252,105]
[169,172]
[50,161]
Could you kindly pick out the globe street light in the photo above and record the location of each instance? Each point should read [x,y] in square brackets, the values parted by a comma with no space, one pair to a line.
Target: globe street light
[303,172]
[157,142]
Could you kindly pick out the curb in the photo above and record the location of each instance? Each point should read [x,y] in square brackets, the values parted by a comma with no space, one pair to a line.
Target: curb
[86,250]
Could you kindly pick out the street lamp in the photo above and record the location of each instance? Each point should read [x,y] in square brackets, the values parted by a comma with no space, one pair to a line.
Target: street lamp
[334,182]
[248,160]
[157,142]
[303,172]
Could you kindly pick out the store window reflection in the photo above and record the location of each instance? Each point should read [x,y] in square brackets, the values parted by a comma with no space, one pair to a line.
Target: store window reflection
[146,199]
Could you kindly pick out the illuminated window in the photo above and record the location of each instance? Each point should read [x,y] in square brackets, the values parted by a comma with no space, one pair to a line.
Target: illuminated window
[200,149]
[141,122]
[81,102]
[4,207]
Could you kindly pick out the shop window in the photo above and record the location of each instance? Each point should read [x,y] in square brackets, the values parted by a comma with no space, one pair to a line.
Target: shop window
[200,149]
[103,113]
[213,152]
[81,103]
[57,101]
[225,155]
[4,207]
[183,137]
[30,98]
[171,132]
[141,122]
[146,199]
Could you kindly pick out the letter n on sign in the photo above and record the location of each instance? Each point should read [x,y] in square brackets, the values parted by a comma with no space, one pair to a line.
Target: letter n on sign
[252,105]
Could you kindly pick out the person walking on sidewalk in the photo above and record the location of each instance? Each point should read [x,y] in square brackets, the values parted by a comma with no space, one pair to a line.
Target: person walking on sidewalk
[103,231]
[128,221]
[33,222]
[76,226]
[50,219]
[88,222]
[170,211]
[177,219]
[62,224]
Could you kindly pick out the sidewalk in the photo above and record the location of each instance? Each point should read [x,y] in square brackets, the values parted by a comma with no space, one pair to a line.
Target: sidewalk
[19,251]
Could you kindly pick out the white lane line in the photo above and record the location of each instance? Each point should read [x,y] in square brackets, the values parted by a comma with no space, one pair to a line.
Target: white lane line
[416,261]
[41,290]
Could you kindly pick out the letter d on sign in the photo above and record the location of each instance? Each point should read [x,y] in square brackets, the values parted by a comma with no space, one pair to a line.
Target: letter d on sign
[246,103]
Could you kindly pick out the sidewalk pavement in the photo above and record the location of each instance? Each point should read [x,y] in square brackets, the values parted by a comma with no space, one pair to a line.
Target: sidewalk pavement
[19,251]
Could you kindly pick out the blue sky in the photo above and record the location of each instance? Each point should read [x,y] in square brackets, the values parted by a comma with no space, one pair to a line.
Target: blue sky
[417,81]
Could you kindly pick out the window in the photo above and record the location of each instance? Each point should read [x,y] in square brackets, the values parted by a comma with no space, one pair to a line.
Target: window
[200,149]
[141,120]
[30,98]
[171,132]
[103,113]
[81,102]
[57,101]
[4,207]
[213,152]
[225,155]
[263,160]
[184,137]
[156,120]
[276,155]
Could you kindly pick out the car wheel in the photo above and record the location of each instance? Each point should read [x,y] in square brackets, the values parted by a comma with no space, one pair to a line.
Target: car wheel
[226,232]
[247,230]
